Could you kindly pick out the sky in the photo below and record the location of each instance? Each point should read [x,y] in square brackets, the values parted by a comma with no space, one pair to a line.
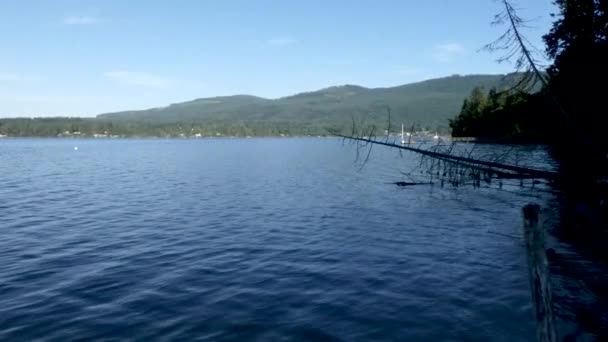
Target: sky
[85,57]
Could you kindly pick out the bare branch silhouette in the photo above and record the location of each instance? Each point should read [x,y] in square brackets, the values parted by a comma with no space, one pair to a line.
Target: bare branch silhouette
[516,48]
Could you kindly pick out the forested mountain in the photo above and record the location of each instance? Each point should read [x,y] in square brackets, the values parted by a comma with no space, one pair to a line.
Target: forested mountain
[429,103]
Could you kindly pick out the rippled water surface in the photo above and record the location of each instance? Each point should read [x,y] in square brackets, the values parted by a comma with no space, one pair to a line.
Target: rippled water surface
[250,240]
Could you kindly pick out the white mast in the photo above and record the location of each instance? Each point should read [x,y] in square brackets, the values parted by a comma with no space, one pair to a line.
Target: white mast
[402,134]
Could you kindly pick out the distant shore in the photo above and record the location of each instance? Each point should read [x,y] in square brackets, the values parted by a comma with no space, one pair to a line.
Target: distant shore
[87,137]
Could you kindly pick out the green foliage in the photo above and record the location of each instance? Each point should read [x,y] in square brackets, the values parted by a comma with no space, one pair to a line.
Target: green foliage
[330,110]
[428,103]
[93,127]
[578,45]
[508,115]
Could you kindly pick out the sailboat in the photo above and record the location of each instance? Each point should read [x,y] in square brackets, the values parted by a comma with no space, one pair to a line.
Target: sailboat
[409,137]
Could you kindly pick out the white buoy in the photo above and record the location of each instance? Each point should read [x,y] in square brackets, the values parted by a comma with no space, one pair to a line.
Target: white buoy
[75,148]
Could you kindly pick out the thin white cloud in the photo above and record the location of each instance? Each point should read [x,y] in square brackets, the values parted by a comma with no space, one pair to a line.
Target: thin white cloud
[80,20]
[448,52]
[9,77]
[45,98]
[280,41]
[136,78]
[408,71]
[16,78]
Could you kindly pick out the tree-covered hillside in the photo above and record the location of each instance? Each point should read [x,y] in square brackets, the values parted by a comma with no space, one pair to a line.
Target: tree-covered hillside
[428,104]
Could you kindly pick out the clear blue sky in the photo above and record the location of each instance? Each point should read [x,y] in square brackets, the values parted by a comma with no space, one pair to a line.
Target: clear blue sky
[84,57]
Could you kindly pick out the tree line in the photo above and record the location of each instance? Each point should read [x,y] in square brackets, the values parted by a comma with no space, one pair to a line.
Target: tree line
[569,105]
[93,127]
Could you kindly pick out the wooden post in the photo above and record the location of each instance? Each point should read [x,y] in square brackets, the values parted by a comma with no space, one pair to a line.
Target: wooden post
[539,274]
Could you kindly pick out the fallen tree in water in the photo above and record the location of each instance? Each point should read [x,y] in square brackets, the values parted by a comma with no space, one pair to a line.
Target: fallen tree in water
[488,168]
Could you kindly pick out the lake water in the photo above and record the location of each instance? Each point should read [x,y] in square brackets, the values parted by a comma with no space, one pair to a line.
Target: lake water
[251,240]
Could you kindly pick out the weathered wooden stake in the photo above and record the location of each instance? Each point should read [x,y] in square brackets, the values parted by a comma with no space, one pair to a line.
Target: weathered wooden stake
[539,274]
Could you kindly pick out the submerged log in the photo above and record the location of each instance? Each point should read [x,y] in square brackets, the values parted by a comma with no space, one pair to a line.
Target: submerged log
[408,183]
[534,236]
[470,161]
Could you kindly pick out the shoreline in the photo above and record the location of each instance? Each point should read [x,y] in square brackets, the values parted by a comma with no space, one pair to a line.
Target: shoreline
[169,137]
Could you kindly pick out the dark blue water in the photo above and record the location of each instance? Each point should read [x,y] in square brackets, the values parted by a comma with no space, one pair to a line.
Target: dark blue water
[250,240]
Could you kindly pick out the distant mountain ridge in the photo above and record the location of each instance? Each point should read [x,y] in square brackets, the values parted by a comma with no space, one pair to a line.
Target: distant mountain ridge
[429,102]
